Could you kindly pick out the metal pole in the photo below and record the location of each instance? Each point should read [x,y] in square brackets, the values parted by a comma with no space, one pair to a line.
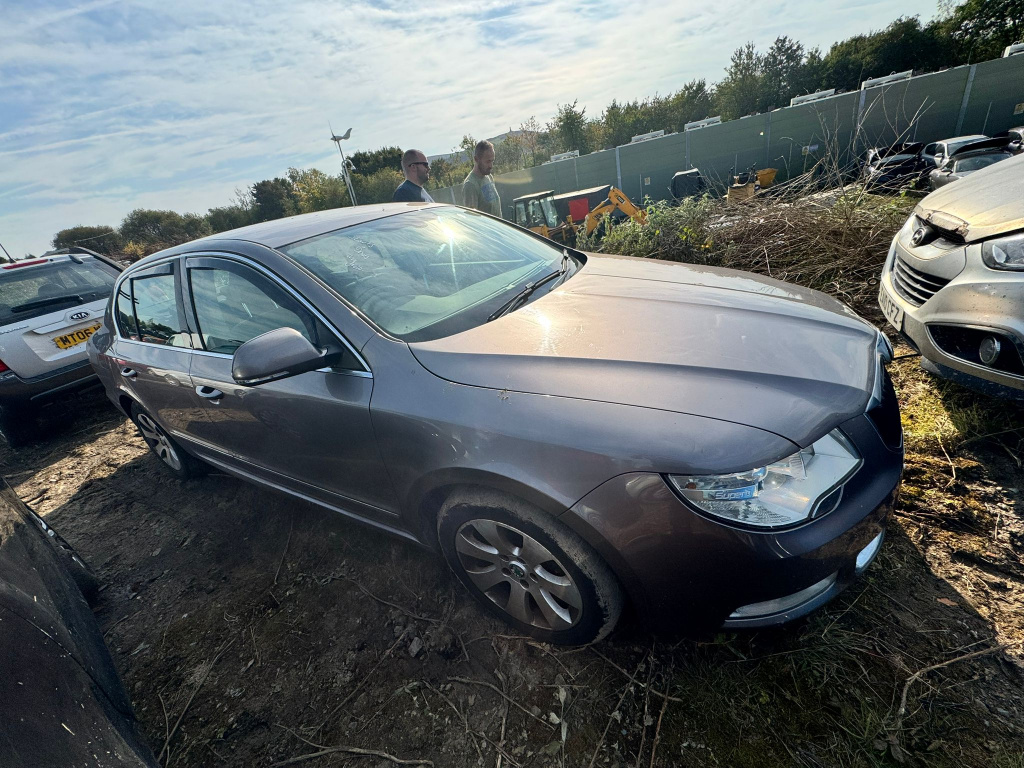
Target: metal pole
[344,173]
[618,170]
[8,255]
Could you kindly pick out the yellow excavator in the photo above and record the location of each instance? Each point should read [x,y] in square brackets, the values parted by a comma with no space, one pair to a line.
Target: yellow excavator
[616,201]
[540,211]
[537,213]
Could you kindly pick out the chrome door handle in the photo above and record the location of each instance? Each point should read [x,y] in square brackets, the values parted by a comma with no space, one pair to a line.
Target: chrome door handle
[129,373]
[209,393]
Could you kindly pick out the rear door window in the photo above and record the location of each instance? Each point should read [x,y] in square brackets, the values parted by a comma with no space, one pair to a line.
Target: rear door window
[157,316]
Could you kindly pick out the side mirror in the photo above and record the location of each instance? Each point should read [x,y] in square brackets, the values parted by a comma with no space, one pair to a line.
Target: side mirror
[275,355]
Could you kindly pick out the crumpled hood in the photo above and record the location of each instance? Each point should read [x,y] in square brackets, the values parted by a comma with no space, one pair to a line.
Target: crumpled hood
[981,205]
[710,342]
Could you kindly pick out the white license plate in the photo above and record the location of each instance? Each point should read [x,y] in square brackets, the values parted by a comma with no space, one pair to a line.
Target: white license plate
[893,312]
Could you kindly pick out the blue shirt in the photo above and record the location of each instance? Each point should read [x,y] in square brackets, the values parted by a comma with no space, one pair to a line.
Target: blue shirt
[408,192]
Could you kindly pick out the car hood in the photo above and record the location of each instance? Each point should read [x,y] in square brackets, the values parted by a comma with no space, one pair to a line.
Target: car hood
[709,342]
[983,204]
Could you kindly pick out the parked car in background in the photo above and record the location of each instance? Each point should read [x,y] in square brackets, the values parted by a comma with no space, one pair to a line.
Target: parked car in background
[49,307]
[953,283]
[968,159]
[938,152]
[61,700]
[572,431]
[890,169]
[1016,139]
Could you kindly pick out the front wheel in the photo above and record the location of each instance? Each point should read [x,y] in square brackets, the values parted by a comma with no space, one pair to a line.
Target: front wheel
[529,569]
[171,455]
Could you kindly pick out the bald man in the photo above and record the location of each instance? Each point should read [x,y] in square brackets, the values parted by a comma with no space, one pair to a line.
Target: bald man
[417,171]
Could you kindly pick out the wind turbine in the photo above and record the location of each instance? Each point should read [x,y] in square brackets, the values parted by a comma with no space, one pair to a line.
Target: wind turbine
[345,164]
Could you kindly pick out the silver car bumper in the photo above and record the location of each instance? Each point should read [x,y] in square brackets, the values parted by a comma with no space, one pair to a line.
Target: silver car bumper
[945,301]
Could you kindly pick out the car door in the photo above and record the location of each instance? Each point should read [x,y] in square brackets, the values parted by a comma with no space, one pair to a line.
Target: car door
[310,433]
[152,349]
[929,154]
[940,177]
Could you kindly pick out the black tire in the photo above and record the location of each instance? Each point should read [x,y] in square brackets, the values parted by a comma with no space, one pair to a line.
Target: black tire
[79,570]
[527,568]
[16,425]
[171,455]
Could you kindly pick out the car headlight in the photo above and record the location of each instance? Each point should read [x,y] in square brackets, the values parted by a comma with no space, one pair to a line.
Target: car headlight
[798,488]
[1004,253]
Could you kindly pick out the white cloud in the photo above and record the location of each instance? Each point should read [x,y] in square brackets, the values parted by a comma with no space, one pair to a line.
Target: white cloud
[105,108]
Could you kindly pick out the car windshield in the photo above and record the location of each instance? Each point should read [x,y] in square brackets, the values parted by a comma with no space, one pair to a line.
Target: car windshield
[32,291]
[895,159]
[428,273]
[969,164]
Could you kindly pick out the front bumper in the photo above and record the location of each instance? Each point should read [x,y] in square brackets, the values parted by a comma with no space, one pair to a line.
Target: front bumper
[975,299]
[683,571]
[15,391]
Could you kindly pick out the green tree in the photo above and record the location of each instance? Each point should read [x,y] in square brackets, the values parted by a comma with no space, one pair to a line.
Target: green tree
[228,217]
[570,125]
[509,154]
[151,230]
[740,92]
[903,45]
[368,163]
[102,239]
[782,74]
[378,187]
[981,29]
[316,190]
[274,199]
[445,173]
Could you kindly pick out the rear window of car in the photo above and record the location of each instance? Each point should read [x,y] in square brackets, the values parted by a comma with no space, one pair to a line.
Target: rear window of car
[32,291]
[977,163]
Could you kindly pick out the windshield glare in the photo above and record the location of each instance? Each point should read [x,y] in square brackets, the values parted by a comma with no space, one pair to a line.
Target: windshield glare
[427,273]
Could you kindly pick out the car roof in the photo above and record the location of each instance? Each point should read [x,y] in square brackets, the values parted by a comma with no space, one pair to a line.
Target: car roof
[279,232]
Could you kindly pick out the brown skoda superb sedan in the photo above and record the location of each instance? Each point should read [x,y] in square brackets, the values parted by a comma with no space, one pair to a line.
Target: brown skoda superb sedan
[576,433]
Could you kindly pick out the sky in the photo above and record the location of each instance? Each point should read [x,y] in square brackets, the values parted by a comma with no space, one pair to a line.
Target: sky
[107,106]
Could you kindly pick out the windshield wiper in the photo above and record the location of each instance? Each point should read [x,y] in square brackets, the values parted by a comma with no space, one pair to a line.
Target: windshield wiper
[47,302]
[520,298]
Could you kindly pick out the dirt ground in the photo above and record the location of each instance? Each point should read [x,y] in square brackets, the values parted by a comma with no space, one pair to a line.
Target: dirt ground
[255,630]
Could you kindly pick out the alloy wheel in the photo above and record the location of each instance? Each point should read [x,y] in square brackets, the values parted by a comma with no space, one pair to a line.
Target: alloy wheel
[158,441]
[518,574]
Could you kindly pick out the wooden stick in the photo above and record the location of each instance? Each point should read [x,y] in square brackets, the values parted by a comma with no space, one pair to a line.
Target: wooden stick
[189,702]
[497,690]
[351,751]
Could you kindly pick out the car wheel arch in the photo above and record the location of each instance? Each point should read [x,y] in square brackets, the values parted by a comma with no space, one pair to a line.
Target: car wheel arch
[431,493]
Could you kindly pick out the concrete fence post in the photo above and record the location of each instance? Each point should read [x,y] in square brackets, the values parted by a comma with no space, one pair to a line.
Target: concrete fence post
[966,100]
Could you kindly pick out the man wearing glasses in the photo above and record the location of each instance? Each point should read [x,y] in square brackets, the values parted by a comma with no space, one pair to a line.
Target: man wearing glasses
[417,171]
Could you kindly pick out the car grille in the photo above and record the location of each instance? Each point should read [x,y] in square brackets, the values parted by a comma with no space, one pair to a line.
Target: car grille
[913,285]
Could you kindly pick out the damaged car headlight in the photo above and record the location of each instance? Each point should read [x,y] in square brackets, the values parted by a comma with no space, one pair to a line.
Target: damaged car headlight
[802,486]
[1004,253]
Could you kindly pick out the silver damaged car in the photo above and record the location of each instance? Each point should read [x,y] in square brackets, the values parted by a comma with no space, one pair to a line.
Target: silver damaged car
[953,283]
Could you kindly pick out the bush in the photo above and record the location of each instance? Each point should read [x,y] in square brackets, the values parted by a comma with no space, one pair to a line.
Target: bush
[834,242]
[378,187]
